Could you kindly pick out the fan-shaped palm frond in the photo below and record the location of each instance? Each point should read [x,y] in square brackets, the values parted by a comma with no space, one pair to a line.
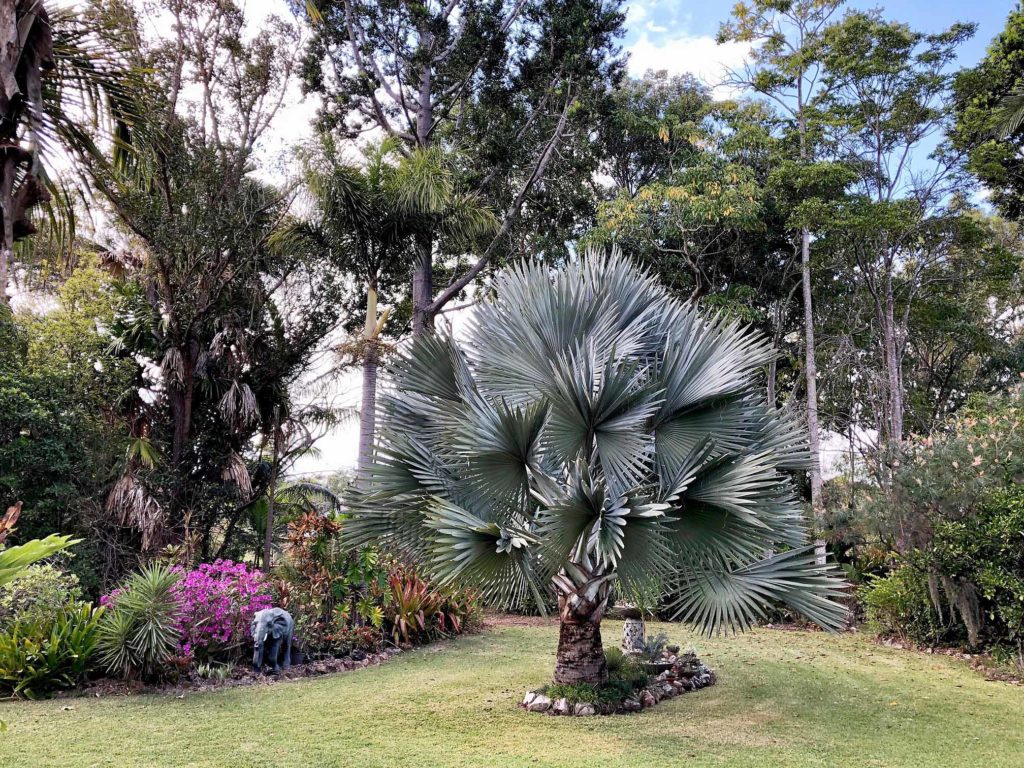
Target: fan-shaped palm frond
[594,429]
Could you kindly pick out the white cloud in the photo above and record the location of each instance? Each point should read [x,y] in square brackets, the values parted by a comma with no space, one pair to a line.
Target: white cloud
[698,55]
[635,13]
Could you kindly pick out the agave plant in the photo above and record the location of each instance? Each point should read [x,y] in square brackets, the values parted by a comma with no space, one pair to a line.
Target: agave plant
[593,430]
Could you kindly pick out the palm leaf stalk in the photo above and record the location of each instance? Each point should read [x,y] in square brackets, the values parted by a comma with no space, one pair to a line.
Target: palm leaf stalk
[593,431]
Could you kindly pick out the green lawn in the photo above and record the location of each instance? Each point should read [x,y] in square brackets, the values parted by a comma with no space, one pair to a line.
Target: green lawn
[783,699]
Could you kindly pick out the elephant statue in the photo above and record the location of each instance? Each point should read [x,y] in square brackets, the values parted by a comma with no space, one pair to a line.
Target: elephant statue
[272,630]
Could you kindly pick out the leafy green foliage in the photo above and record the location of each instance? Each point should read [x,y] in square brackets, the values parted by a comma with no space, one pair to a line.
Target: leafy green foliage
[614,658]
[621,684]
[60,415]
[41,655]
[138,636]
[955,515]
[899,605]
[994,153]
[37,595]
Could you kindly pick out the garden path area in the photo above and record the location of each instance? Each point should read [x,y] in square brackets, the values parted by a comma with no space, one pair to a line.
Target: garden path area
[784,698]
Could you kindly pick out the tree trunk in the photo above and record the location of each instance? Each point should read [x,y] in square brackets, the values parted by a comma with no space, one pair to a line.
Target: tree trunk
[423,285]
[368,405]
[181,399]
[580,656]
[268,533]
[7,217]
[892,364]
[811,368]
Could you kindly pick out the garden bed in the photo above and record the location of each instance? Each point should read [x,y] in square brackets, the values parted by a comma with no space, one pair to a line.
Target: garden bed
[240,676]
[687,674]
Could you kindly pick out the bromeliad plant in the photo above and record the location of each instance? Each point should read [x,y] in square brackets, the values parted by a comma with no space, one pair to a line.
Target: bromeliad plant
[593,429]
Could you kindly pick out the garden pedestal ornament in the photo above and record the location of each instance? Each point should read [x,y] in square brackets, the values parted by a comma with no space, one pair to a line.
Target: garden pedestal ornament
[272,630]
[634,631]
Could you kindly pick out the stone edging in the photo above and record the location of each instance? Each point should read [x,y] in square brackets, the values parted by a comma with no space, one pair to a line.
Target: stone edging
[667,685]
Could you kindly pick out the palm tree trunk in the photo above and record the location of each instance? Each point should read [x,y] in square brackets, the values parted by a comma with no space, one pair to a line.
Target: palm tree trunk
[580,657]
[583,591]
[368,406]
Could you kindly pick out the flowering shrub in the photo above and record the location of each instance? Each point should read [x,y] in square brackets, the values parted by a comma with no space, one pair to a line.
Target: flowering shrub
[218,601]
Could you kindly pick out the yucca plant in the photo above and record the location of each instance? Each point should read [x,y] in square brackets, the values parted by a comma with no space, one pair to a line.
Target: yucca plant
[138,634]
[592,430]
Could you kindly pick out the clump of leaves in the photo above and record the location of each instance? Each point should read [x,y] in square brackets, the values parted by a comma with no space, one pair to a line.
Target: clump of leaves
[215,672]
[138,635]
[654,647]
[41,656]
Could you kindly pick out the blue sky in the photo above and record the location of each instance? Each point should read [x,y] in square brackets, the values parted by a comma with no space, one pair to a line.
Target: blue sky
[679,36]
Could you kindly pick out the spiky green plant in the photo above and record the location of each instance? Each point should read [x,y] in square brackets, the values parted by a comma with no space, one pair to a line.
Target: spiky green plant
[137,635]
[591,428]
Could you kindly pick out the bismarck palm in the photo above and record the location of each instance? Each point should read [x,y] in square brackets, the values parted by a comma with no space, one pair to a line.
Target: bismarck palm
[594,431]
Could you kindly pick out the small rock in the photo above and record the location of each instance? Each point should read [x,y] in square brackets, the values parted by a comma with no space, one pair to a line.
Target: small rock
[561,707]
[528,698]
[583,709]
[647,700]
[540,704]
[669,689]
[631,705]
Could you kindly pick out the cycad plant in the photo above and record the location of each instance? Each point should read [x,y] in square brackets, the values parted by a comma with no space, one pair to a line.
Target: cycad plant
[590,431]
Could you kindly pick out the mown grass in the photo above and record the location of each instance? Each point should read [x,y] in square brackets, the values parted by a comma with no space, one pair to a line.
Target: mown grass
[783,699]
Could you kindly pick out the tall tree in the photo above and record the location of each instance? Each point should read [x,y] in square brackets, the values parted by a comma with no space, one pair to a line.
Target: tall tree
[786,68]
[888,90]
[498,85]
[227,320]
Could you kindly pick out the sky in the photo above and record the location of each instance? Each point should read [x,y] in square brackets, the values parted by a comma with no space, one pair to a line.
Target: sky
[680,36]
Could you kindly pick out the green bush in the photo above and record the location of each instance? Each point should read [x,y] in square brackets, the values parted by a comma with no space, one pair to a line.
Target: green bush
[39,657]
[633,674]
[574,693]
[37,596]
[899,606]
[613,691]
[138,637]
[614,658]
[982,560]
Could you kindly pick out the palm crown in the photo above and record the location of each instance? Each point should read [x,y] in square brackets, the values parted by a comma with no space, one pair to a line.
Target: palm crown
[593,430]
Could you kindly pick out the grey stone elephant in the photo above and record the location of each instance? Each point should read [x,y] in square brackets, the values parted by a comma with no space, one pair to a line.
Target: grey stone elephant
[272,630]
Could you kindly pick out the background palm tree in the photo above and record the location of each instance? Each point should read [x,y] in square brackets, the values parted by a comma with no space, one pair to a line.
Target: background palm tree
[365,217]
[593,430]
[60,84]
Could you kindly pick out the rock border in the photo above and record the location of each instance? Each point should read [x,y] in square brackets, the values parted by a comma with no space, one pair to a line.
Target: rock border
[242,675]
[667,685]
